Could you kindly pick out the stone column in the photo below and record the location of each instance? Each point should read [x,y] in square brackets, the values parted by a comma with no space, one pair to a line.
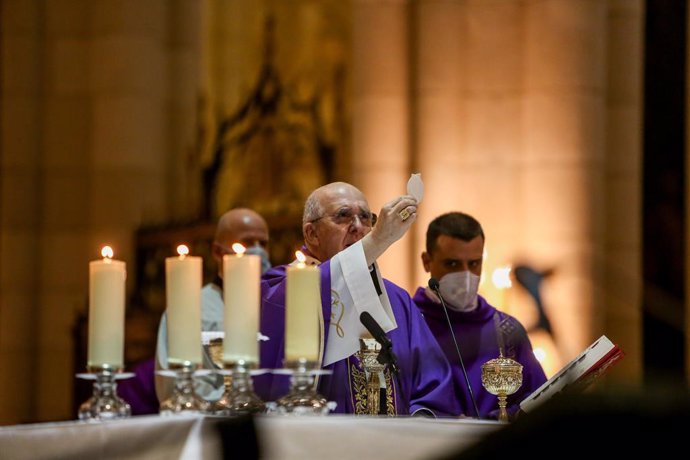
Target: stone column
[561,179]
[20,202]
[380,113]
[107,146]
[620,315]
[439,98]
[468,94]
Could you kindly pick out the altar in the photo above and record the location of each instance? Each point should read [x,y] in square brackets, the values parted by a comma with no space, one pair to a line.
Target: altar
[277,437]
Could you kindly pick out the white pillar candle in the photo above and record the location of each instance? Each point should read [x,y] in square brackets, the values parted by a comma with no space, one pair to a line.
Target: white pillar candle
[106,311]
[241,292]
[183,298]
[303,301]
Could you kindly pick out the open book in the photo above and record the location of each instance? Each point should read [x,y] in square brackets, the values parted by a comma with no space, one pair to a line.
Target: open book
[578,373]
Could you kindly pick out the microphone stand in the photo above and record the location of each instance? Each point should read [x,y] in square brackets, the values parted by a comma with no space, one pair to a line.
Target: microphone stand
[433,284]
[387,357]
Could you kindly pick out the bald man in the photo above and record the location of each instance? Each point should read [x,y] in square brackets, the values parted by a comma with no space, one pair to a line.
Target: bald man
[344,238]
[239,225]
[244,226]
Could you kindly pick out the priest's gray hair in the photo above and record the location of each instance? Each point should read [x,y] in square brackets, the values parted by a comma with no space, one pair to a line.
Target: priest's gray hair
[312,208]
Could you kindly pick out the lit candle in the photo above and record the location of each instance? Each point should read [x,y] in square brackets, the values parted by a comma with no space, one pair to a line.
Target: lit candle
[303,301]
[183,297]
[106,311]
[241,291]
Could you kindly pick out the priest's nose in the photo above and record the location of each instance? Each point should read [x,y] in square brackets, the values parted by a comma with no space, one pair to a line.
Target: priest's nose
[356,226]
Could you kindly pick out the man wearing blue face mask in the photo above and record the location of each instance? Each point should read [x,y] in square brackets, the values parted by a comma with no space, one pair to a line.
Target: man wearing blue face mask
[239,225]
[453,257]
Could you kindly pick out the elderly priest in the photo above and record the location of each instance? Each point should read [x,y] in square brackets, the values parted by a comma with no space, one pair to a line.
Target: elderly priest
[341,239]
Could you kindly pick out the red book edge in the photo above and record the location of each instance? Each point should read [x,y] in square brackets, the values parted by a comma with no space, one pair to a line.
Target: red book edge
[598,369]
[592,373]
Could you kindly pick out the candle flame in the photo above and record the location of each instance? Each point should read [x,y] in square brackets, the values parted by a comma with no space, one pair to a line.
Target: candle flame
[182,250]
[107,252]
[301,258]
[501,277]
[238,248]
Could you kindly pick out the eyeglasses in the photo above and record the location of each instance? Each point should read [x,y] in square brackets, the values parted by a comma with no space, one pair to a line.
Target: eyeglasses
[346,216]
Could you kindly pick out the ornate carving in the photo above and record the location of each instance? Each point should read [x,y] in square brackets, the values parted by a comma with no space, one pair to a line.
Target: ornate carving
[359,389]
[367,390]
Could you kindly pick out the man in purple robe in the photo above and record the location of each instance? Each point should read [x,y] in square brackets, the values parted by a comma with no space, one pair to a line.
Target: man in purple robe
[338,228]
[454,255]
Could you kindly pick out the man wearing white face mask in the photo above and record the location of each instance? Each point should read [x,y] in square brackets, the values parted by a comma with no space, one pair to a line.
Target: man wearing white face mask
[453,257]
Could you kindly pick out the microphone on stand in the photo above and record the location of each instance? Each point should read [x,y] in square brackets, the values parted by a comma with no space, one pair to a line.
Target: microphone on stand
[434,285]
[386,355]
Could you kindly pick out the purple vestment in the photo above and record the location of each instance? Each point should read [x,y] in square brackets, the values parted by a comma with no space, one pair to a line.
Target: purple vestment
[140,390]
[477,338]
[425,381]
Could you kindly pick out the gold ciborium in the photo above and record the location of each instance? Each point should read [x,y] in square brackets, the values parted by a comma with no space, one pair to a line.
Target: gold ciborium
[502,377]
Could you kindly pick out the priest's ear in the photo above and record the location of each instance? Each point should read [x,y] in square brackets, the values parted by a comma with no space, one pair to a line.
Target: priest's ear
[311,239]
[426,261]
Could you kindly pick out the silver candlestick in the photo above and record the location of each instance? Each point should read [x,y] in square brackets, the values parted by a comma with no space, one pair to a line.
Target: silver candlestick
[184,398]
[303,399]
[241,399]
[105,404]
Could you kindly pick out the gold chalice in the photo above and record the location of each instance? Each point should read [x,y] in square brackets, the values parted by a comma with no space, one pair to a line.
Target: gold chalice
[502,377]
[215,352]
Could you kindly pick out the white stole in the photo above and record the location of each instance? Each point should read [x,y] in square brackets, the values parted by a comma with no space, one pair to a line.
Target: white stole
[353,292]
